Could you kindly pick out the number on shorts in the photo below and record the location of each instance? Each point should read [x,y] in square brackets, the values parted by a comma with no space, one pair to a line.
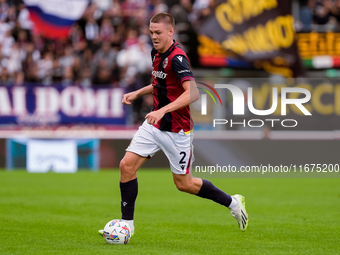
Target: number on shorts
[182,160]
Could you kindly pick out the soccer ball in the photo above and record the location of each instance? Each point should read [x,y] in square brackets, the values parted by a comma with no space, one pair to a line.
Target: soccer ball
[117,232]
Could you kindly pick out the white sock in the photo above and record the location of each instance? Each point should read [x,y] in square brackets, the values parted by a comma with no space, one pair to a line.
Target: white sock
[233,203]
[130,222]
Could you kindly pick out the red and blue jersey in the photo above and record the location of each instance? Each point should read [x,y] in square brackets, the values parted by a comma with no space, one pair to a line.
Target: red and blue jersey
[170,69]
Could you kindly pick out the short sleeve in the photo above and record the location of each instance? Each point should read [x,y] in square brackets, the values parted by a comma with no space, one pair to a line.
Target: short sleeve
[180,66]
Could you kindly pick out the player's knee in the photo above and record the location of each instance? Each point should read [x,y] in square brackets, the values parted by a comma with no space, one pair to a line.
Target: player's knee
[126,167]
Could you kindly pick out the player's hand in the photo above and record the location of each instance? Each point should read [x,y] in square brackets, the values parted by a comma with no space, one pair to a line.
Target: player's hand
[129,97]
[154,117]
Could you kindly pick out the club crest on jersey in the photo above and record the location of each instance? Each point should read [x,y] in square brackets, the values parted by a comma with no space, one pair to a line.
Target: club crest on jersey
[159,74]
[165,62]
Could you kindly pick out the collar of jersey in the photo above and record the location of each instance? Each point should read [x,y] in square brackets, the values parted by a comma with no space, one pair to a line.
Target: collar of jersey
[167,53]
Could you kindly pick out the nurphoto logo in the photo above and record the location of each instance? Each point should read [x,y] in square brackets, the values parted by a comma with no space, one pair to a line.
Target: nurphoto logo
[239,105]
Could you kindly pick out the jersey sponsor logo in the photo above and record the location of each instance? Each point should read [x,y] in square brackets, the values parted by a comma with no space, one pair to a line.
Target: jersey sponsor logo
[184,71]
[165,62]
[180,58]
[159,74]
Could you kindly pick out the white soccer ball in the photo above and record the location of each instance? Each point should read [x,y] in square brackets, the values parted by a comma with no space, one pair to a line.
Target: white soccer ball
[117,232]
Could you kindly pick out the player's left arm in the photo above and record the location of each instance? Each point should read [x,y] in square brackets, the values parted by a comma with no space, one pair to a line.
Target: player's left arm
[189,96]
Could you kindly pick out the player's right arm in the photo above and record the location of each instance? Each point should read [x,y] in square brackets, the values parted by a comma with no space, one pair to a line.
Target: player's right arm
[129,97]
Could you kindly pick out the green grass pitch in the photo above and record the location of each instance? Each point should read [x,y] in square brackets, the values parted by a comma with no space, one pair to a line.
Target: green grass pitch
[61,214]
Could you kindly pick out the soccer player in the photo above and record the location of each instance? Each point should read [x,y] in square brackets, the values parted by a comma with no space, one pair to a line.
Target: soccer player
[168,126]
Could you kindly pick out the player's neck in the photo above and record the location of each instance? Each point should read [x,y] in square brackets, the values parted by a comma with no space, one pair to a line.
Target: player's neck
[167,47]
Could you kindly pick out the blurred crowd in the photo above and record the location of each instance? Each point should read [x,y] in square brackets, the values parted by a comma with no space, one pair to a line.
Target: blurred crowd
[319,12]
[109,46]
